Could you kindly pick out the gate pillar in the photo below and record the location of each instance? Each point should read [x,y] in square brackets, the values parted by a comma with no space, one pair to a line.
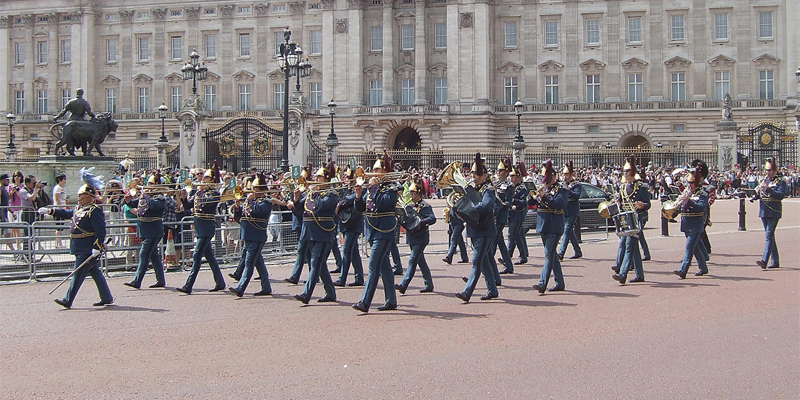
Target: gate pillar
[194,120]
[726,140]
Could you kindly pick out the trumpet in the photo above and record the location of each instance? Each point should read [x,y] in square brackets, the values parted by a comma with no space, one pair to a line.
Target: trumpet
[386,178]
[324,188]
[239,193]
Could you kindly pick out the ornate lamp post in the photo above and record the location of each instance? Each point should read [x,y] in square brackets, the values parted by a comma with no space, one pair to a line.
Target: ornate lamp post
[162,113]
[289,61]
[797,109]
[194,70]
[11,120]
[659,146]
[332,142]
[519,142]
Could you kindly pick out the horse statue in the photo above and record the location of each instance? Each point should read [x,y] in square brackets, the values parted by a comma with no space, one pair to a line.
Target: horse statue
[84,134]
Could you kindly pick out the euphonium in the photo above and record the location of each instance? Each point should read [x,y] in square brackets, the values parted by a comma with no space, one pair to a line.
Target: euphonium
[670,209]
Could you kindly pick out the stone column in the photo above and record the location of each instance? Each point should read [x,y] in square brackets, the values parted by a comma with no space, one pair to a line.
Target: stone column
[329,52]
[30,64]
[726,141]
[453,52]
[420,55]
[5,48]
[162,152]
[353,28]
[194,119]
[519,150]
[388,54]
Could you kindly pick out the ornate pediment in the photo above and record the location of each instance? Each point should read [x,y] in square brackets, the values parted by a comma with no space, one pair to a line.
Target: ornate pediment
[374,72]
[210,76]
[592,64]
[244,76]
[551,66]
[173,78]
[765,60]
[110,80]
[315,73]
[634,63]
[510,67]
[275,74]
[677,62]
[405,71]
[142,79]
[438,70]
[40,81]
[721,61]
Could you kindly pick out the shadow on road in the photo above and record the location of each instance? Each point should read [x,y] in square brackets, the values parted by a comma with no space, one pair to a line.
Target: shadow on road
[679,285]
[534,303]
[115,307]
[602,294]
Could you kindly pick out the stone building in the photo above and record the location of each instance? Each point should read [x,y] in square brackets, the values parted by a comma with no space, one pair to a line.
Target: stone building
[435,74]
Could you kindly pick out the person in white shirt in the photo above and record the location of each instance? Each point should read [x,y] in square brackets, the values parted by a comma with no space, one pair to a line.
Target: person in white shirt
[60,200]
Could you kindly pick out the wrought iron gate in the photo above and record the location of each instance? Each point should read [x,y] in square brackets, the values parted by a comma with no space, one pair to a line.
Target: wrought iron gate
[244,142]
[765,139]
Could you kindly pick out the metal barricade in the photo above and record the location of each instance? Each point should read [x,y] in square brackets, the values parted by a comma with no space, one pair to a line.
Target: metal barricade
[15,260]
[49,249]
[122,256]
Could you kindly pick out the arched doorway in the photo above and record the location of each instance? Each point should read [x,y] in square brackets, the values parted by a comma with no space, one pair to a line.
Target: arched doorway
[634,139]
[407,139]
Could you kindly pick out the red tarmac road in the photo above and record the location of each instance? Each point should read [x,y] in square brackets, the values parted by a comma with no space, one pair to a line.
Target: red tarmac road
[734,334]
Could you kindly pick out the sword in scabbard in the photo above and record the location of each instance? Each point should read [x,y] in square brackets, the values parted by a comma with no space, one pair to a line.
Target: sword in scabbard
[79,267]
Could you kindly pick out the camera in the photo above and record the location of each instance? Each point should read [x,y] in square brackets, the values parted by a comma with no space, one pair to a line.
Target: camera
[44,183]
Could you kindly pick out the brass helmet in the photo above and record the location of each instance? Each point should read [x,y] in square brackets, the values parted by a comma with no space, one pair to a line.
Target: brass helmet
[327,171]
[384,162]
[547,170]
[415,186]
[154,179]
[568,169]
[478,167]
[87,189]
[259,182]
[519,169]
[770,164]
[505,164]
[213,173]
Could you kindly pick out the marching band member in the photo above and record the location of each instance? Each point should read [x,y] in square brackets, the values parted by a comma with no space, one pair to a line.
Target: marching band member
[352,227]
[501,210]
[571,213]
[204,207]
[319,230]
[87,238]
[149,227]
[712,197]
[418,239]
[481,238]
[255,216]
[516,220]
[517,195]
[551,202]
[693,201]
[379,206]
[634,196]
[771,192]
[643,218]
[302,245]
[236,211]
[456,230]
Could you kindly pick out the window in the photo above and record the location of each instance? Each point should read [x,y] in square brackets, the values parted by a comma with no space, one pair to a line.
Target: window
[635,87]
[279,7]
[111,100]
[592,88]
[510,94]
[721,26]
[176,13]
[41,52]
[440,36]
[440,90]
[551,89]
[143,15]
[66,51]
[211,46]
[41,101]
[144,100]
[592,32]
[375,92]
[511,34]
[551,33]
[678,82]
[65,97]
[376,38]
[593,129]
[316,42]
[112,17]
[407,90]
[211,97]
[210,11]
[177,98]
[278,41]
[552,130]
[19,53]
[142,135]
[765,25]
[176,135]
[679,128]
[245,10]
[19,101]
[111,50]
[316,95]
[244,45]
[722,84]
[677,32]
[407,32]
[279,93]
[177,45]
[244,97]
[635,30]
[766,84]
[144,48]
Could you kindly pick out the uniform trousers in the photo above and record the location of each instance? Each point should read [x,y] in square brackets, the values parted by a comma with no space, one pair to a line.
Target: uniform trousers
[551,262]
[417,258]
[351,255]
[480,264]
[379,266]
[457,240]
[254,261]
[694,248]
[570,236]
[319,271]
[203,249]
[770,247]
[516,238]
[632,258]
[148,254]
[501,245]
[97,275]
[303,256]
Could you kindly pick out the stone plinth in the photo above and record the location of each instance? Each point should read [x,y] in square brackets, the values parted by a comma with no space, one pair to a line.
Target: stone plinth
[726,144]
[50,166]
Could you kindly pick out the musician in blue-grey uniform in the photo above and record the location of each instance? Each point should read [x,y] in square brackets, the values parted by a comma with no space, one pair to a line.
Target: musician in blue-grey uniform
[771,192]
[352,226]
[237,216]
[150,213]
[551,201]
[297,227]
[87,239]
[517,195]
[693,202]
[319,229]
[378,205]
[456,238]
[255,217]
[503,204]
[516,219]
[394,252]
[482,236]
[418,238]
[633,196]
[204,207]
[571,213]
[643,218]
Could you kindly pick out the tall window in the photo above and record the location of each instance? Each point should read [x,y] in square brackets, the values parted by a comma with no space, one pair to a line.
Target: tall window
[111,100]
[41,101]
[65,96]
[407,89]
[19,101]
[407,32]
[440,90]
[375,92]
[765,25]
[721,26]
[551,89]
[592,88]
[19,53]
[111,50]
[551,33]
[177,48]
[634,29]
[211,97]
[41,52]
[766,84]
[677,32]
[316,42]
[144,48]
[510,93]
[376,38]
[440,36]
[635,87]
[511,34]
[593,31]
[244,97]
[144,99]
[211,46]
[244,45]
[678,83]
[278,99]
[177,98]
[316,95]
[722,84]
[66,51]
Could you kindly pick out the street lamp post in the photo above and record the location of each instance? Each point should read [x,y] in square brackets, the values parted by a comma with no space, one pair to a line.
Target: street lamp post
[797,109]
[289,62]
[332,142]
[519,142]
[660,154]
[11,120]
[162,113]
[194,70]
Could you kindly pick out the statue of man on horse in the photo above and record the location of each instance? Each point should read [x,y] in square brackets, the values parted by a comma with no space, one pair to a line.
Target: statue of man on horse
[77,132]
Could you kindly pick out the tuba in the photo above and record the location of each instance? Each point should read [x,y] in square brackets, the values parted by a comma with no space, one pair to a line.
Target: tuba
[451,175]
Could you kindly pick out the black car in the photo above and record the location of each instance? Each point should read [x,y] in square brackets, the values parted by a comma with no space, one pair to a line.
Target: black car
[591,197]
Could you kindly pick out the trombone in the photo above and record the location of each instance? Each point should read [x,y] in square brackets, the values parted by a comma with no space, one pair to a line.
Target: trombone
[239,194]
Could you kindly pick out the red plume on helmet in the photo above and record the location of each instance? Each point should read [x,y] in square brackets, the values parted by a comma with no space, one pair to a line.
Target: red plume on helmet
[216,177]
[630,164]
[478,166]
[330,172]
[569,168]
[549,171]
[389,163]
[522,171]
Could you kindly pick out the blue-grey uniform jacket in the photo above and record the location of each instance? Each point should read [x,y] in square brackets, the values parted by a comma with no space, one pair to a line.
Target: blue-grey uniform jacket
[518,194]
[502,207]
[319,212]
[87,230]
[356,222]
[693,212]
[422,234]
[379,212]
[255,218]
[488,198]
[574,190]
[550,210]
[150,216]
[636,191]
[204,207]
[771,206]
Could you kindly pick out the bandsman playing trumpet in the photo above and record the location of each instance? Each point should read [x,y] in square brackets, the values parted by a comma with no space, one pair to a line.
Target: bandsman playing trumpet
[303,255]
[517,195]
[693,201]
[571,213]
[150,213]
[771,192]
[516,221]
[504,194]
[551,202]
[633,196]
[352,226]
[418,239]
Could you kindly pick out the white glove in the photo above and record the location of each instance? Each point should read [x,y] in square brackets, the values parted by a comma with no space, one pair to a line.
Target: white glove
[44,211]
[95,253]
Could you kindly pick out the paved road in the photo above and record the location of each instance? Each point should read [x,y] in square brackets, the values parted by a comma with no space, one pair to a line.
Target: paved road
[732,335]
